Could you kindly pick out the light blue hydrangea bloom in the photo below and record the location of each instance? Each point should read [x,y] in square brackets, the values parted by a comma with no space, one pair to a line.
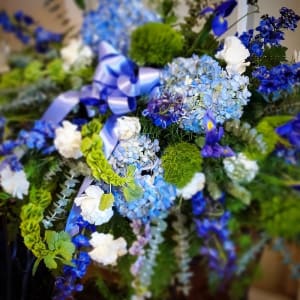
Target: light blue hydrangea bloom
[113,21]
[204,86]
[158,195]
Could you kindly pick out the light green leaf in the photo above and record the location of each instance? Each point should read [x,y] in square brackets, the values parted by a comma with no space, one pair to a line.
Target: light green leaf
[50,262]
[106,201]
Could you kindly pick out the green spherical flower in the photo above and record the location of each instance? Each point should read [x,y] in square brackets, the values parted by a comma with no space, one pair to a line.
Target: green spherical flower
[155,44]
[180,162]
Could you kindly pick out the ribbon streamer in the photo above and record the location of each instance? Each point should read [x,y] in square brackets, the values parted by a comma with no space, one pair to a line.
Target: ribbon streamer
[117,82]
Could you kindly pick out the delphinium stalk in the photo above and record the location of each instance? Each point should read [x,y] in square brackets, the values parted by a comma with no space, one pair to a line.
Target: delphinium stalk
[181,237]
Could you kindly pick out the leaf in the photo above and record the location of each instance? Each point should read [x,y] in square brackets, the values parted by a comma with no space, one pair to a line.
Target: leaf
[273,56]
[106,201]
[132,192]
[50,237]
[50,262]
[80,4]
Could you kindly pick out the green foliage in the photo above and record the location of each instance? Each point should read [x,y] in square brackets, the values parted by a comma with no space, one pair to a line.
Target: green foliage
[180,162]
[165,261]
[56,245]
[273,56]
[80,4]
[267,128]
[107,201]
[56,71]
[11,79]
[33,71]
[155,44]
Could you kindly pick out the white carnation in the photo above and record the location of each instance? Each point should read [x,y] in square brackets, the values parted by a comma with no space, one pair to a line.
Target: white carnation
[89,204]
[76,54]
[195,185]
[234,53]
[240,169]
[128,127]
[68,140]
[14,183]
[107,250]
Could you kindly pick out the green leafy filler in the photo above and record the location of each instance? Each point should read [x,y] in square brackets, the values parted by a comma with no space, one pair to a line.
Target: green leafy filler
[92,149]
[55,246]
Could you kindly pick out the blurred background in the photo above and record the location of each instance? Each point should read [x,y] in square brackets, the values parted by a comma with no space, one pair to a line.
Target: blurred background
[275,282]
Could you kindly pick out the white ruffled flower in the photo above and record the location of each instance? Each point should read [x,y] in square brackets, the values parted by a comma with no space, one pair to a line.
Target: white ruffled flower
[128,127]
[296,56]
[234,53]
[89,204]
[68,140]
[107,250]
[14,183]
[240,169]
[76,54]
[195,185]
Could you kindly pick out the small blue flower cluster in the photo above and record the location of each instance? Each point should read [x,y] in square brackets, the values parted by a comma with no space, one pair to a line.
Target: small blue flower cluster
[113,21]
[279,80]
[204,85]
[221,259]
[158,195]
[39,137]
[157,198]
[21,24]
[140,152]
[269,31]
[67,284]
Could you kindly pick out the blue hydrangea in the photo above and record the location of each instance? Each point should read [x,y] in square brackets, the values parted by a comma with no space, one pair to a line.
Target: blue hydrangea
[113,21]
[204,86]
[158,195]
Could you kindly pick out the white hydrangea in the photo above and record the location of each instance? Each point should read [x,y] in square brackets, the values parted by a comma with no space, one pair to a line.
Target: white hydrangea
[76,55]
[128,127]
[68,140]
[234,53]
[89,204]
[195,185]
[14,183]
[240,169]
[107,250]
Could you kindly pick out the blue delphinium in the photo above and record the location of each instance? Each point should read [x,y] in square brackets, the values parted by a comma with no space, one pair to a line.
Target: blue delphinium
[213,135]
[198,204]
[221,255]
[269,32]
[204,85]
[20,24]
[113,21]
[279,80]
[39,137]
[220,12]
[291,132]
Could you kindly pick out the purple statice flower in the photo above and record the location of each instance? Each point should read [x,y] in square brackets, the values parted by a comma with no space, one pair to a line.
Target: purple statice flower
[281,79]
[165,110]
[221,257]
[220,12]
[213,135]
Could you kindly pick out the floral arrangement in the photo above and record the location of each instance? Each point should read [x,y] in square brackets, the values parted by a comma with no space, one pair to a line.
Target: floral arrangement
[148,148]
